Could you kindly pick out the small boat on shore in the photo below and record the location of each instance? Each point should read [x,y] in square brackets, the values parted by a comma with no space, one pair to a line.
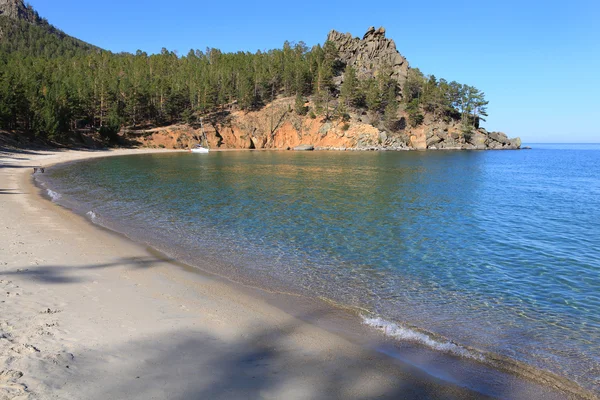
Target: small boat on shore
[201,147]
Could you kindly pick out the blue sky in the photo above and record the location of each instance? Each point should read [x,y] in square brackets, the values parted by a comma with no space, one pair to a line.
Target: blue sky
[537,61]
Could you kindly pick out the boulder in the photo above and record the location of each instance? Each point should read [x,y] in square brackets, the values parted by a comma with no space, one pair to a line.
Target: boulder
[495,145]
[478,140]
[449,144]
[499,137]
[429,133]
[325,128]
[370,32]
[433,140]
[383,137]
[304,147]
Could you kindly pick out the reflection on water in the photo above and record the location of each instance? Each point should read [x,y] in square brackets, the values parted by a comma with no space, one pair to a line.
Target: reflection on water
[496,250]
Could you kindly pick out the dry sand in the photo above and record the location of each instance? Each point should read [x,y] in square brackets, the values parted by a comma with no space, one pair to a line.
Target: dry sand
[87,314]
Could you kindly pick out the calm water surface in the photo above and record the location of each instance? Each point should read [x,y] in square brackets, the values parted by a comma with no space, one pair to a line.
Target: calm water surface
[497,250]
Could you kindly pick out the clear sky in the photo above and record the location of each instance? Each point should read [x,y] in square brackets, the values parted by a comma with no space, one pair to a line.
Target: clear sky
[537,61]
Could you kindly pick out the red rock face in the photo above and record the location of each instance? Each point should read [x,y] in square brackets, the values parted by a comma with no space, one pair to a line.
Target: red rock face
[273,127]
[277,126]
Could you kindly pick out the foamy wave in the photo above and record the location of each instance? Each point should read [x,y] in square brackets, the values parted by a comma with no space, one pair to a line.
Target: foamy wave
[92,215]
[401,333]
[53,195]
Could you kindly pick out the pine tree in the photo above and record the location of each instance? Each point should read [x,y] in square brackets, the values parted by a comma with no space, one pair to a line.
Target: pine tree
[299,106]
[349,90]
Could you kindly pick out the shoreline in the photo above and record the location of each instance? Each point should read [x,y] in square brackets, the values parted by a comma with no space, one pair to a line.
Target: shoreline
[385,374]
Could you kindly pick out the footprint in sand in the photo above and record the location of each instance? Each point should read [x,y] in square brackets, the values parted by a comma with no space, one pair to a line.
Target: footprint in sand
[6,336]
[51,311]
[25,349]
[63,358]
[9,385]
[43,331]
[9,288]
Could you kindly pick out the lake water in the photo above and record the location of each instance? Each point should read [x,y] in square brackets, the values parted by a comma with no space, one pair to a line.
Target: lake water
[468,252]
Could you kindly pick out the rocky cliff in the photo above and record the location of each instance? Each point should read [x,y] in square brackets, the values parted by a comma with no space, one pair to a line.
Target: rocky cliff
[277,126]
[371,55]
[441,135]
[16,9]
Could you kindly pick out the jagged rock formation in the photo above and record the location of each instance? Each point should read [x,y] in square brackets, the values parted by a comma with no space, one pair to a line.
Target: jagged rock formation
[370,55]
[16,9]
[441,135]
[375,53]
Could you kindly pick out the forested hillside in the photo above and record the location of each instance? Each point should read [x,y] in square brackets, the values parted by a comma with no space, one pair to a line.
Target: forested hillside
[22,30]
[52,84]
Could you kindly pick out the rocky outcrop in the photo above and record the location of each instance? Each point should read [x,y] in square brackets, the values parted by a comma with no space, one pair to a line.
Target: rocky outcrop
[276,126]
[371,54]
[273,127]
[16,9]
[443,136]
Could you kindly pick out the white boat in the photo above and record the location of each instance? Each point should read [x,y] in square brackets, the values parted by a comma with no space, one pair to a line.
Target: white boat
[201,148]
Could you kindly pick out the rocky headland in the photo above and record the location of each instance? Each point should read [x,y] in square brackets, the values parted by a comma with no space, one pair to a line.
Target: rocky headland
[278,126]
[252,130]
[356,93]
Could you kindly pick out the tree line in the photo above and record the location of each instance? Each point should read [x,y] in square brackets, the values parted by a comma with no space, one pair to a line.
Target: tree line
[448,100]
[73,86]
[51,84]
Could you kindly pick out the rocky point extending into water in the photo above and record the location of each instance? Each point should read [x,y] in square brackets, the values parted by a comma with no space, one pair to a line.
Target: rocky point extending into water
[357,93]
[370,56]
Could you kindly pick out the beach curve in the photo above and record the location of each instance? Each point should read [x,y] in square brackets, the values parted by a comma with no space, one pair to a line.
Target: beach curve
[89,314]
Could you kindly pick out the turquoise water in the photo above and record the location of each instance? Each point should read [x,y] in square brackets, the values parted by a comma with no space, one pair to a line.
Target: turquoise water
[496,251]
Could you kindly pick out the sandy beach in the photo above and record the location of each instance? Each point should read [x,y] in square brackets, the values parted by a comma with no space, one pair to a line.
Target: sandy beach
[88,314]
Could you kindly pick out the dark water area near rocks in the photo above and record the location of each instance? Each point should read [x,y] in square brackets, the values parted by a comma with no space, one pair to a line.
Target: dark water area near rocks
[466,252]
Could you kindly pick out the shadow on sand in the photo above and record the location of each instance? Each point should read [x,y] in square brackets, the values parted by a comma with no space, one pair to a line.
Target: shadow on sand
[262,365]
[56,274]
[191,361]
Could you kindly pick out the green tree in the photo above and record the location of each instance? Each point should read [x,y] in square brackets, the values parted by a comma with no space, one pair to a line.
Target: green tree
[299,106]
[349,91]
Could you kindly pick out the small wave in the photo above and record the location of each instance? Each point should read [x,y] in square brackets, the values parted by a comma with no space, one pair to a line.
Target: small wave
[53,195]
[402,333]
[92,215]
